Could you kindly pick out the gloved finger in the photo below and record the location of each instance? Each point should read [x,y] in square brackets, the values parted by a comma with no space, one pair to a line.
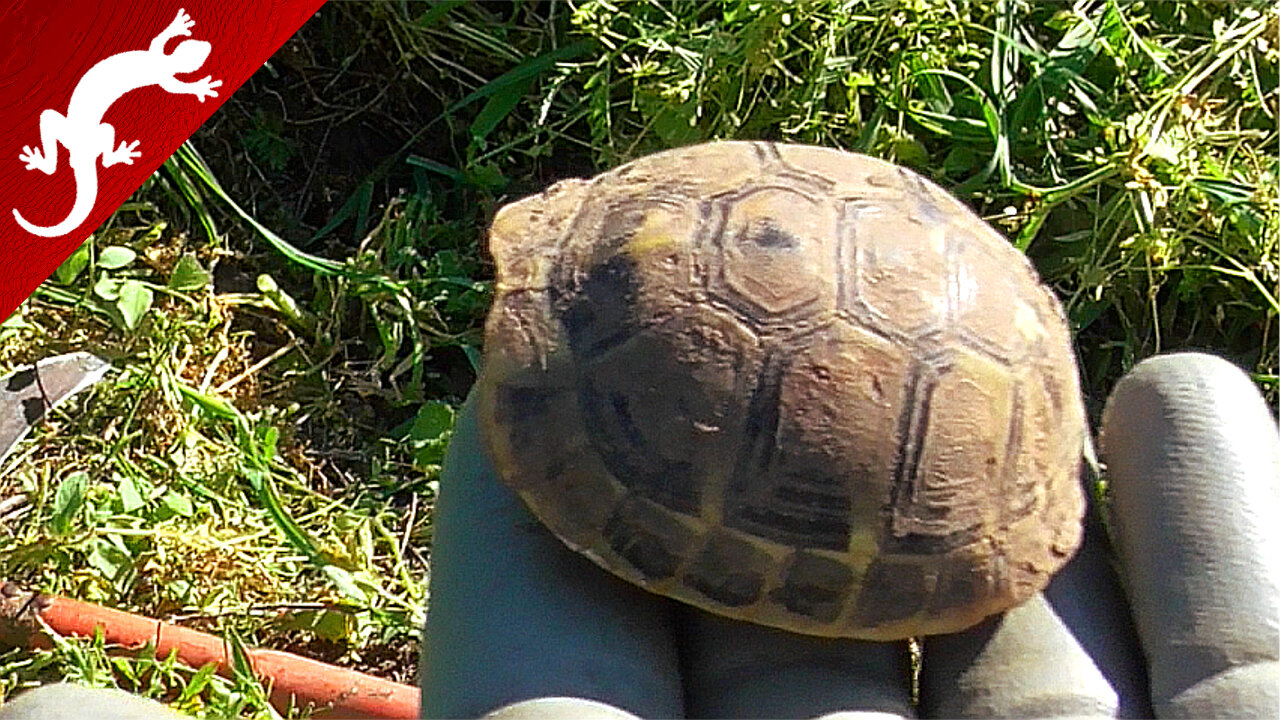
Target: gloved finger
[65,701]
[741,670]
[1193,459]
[1068,652]
[514,615]
[558,708]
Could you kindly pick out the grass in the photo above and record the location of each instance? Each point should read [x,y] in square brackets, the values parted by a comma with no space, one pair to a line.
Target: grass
[293,303]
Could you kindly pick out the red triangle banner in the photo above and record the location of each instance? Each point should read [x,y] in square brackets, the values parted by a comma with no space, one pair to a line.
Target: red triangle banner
[95,96]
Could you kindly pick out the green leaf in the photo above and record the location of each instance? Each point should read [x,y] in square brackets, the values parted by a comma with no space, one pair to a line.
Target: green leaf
[188,275]
[430,433]
[134,302]
[346,584]
[1086,311]
[179,505]
[116,257]
[75,264]
[437,12]
[241,664]
[265,490]
[109,558]
[107,288]
[523,72]
[198,682]
[486,176]
[180,589]
[265,142]
[285,304]
[131,497]
[210,404]
[427,163]
[910,152]
[1225,191]
[328,624]
[68,502]
[153,233]
[960,162]
[187,158]
[675,122]
[267,436]
[498,107]
[433,421]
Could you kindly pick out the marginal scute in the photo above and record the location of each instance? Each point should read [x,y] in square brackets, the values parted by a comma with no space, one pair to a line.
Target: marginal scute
[525,341]
[525,409]
[729,570]
[785,384]
[652,539]
[522,233]
[814,586]
[961,584]
[893,591]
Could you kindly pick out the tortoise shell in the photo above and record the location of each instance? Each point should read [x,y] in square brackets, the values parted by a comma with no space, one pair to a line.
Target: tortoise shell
[786,384]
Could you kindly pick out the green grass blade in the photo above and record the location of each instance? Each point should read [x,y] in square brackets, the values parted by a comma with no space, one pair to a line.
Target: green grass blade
[523,73]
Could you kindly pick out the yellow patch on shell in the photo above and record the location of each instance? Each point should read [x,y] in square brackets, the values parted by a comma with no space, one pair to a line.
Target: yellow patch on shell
[657,233]
[1028,323]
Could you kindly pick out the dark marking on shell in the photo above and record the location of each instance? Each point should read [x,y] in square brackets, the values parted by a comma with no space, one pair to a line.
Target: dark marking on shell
[911,429]
[600,315]
[728,571]
[810,526]
[626,452]
[766,234]
[814,586]
[891,591]
[521,406]
[648,538]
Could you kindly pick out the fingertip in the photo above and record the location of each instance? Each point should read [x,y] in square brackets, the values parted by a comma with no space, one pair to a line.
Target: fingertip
[1068,652]
[66,701]
[1193,464]
[1024,663]
[1248,691]
[559,708]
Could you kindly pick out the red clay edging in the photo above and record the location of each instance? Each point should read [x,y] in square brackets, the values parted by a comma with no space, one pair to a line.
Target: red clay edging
[334,691]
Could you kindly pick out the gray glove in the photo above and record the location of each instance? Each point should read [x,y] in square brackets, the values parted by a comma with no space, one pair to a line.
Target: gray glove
[522,628]
[72,702]
[520,625]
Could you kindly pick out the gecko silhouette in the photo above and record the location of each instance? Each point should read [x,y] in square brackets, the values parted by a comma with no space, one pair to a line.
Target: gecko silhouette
[84,134]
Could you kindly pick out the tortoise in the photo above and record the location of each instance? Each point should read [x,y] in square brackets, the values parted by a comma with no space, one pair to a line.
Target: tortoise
[786,384]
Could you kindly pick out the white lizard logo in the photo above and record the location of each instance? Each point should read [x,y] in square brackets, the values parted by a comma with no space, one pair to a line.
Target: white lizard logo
[84,134]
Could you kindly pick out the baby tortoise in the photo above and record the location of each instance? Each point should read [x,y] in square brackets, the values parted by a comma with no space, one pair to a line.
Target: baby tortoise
[786,384]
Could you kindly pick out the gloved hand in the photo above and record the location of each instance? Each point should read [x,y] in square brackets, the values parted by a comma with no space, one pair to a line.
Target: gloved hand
[523,628]
[1185,623]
